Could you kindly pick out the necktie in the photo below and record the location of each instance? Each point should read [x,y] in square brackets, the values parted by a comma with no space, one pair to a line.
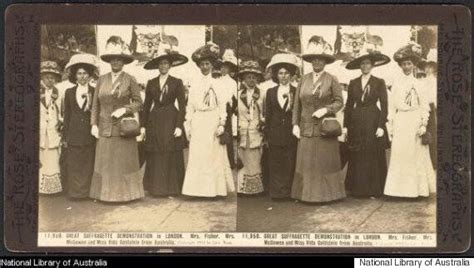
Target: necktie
[366,92]
[285,106]
[163,92]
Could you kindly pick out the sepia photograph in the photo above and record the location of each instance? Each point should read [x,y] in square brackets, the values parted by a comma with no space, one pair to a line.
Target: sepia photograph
[317,129]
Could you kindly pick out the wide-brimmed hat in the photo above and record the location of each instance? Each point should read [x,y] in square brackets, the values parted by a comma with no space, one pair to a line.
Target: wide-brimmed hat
[411,52]
[318,48]
[372,53]
[230,59]
[166,51]
[50,67]
[283,60]
[82,58]
[250,67]
[209,51]
[117,48]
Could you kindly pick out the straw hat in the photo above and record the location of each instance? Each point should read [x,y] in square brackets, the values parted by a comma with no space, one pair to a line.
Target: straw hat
[50,67]
[283,60]
[83,58]
[250,67]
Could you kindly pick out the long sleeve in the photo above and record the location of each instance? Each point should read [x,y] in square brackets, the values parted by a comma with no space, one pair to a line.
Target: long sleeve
[349,105]
[424,104]
[136,100]
[95,105]
[67,115]
[181,104]
[222,105]
[296,116]
[268,113]
[336,92]
[383,104]
[190,110]
[392,108]
[147,104]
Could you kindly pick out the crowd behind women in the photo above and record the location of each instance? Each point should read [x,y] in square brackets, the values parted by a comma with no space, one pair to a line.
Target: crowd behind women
[290,143]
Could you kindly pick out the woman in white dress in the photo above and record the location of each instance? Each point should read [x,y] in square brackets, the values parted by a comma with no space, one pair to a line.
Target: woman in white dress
[208,173]
[410,173]
[50,124]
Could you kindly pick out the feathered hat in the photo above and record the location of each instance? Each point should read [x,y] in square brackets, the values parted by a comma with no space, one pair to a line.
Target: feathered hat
[209,51]
[117,48]
[412,52]
[318,48]
[168,52]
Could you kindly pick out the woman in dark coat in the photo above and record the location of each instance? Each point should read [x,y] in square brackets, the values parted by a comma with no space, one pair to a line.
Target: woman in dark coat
[77,138]
[366,132]
[278,128]
[163,127]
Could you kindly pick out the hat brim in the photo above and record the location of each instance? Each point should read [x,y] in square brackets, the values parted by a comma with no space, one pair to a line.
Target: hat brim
[209,57]
[276,66]
[413,58]
[328,58]
[51,72]
[245,72]
[231,64]
[126,58]
[174,59]
[68,67]
[377,60]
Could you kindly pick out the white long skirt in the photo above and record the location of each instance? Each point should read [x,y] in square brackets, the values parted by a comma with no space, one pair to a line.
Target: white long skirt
[410,173]
[208,173]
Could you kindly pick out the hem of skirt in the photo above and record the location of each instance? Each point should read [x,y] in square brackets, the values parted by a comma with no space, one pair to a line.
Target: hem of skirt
[116,200]
[405,195]
[161,194]
[325,200]
[204,195]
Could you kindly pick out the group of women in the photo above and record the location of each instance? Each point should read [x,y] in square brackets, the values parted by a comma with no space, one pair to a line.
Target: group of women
[296,124]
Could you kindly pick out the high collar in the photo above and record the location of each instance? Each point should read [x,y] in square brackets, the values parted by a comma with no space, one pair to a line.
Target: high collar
[284,88]
[366,76]
[116,73]
[82,87]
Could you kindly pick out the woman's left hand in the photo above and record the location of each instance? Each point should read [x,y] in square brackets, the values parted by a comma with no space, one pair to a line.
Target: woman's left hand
[177,132]
[379,133]
[119,112]
[422,130]
[320,113]
[220,130]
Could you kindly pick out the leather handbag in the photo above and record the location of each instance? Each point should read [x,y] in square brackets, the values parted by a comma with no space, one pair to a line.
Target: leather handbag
[129,126]
[330,127]
[225,138]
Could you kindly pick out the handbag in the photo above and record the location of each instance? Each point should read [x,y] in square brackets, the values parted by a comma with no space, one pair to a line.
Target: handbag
[330,127]
[225,138]
[129,126]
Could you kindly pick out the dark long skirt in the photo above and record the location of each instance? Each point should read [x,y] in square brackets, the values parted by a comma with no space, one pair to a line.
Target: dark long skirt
[367,167]
[79,162]
[318,175]
[116,171]
[164,173]
[281,163]
[366,173]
